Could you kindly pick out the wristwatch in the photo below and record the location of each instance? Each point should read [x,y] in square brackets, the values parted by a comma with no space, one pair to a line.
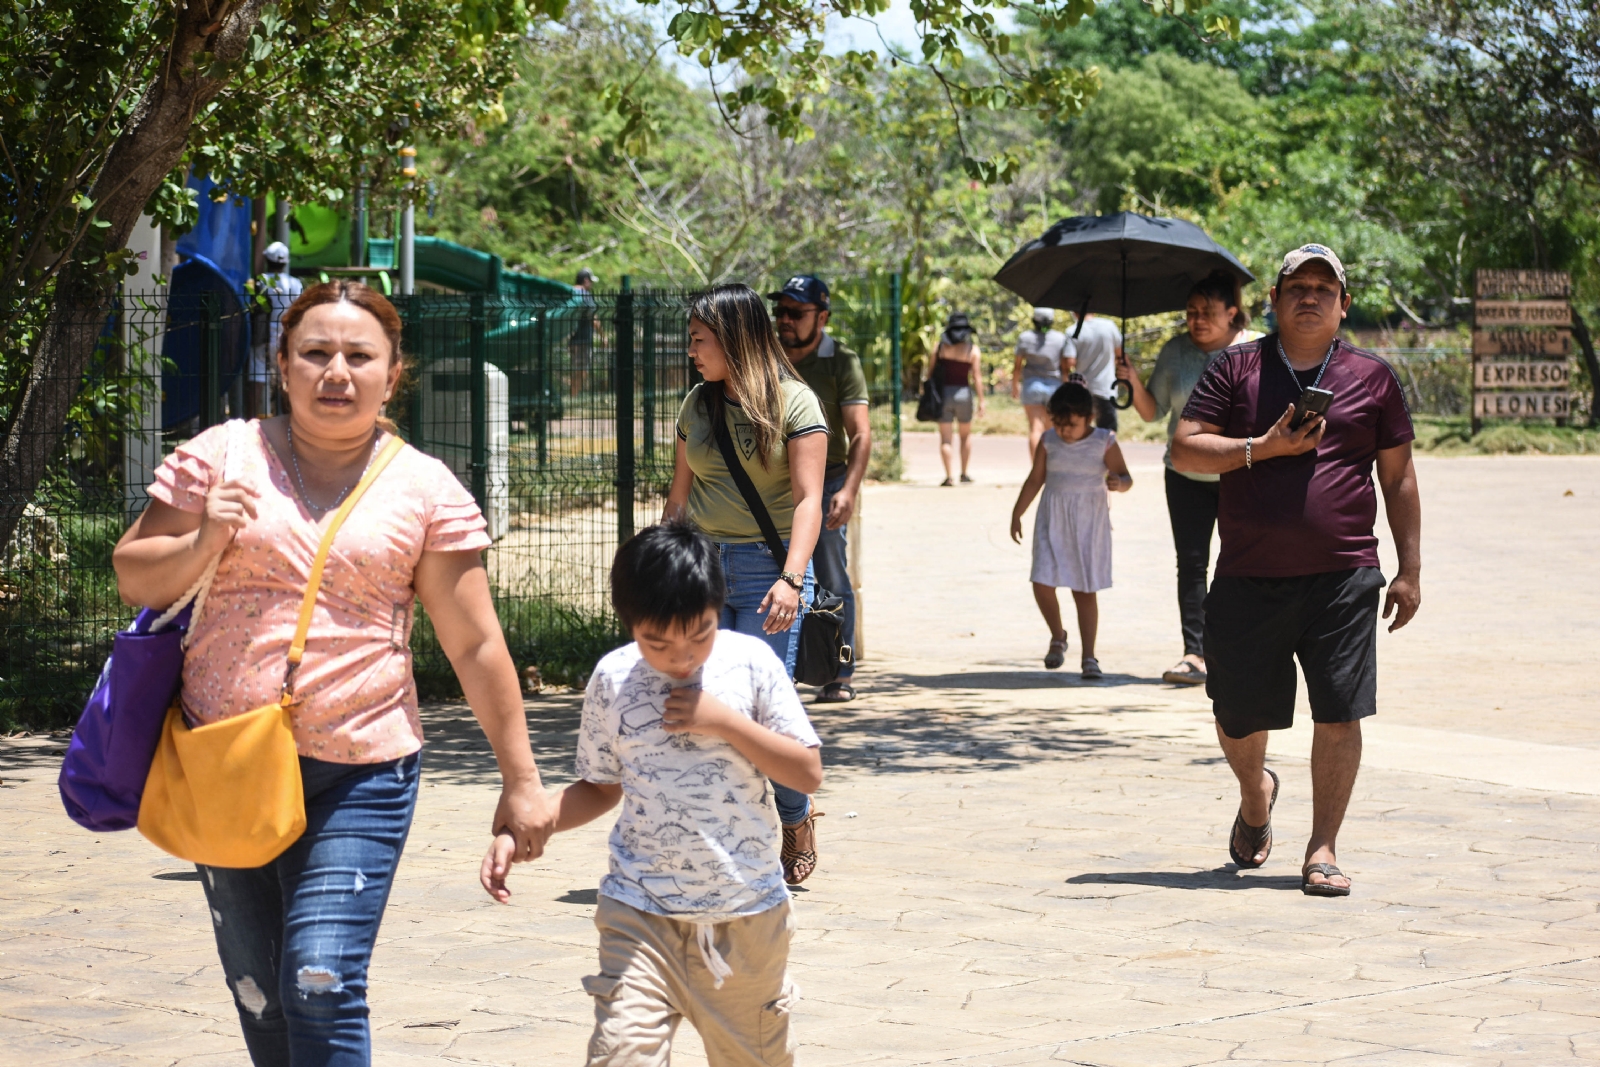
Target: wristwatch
[795,580]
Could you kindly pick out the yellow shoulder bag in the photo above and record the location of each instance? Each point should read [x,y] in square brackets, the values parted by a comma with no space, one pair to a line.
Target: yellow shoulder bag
[228,794]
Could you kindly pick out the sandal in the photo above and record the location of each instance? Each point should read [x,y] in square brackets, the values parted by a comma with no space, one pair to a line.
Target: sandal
[1258,838]
[1091,670]
[1322,889]
[965,480]
[946,483]
[1185,673]
[1056,654]
[836,693]
[800,848]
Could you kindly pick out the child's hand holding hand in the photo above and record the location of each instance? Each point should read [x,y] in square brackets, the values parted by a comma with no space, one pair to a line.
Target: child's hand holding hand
[497,865]
[1117,482]
[695,711]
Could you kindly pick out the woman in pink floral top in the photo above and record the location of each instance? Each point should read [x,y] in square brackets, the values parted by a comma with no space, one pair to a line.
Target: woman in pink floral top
[295,937]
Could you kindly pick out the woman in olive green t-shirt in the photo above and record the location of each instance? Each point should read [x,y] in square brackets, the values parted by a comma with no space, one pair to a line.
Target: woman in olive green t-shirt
[781,437]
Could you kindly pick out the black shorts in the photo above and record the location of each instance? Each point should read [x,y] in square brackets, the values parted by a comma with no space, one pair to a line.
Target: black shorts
[1257,627]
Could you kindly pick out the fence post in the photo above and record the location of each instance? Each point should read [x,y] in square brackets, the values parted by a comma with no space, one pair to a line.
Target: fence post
[894,352]
[211,365]
[624,385]
[480,406]
[547,400]
[648,379]
[410,331]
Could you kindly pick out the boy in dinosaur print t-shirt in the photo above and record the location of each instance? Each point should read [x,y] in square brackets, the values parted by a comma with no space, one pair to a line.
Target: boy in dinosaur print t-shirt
[685,726]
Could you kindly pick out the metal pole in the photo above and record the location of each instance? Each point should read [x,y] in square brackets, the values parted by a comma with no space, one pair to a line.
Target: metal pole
[648,384]
[280,222]
[408,223]
[211,365]
[894,353]
[480,407]
[358,227]
[624,390]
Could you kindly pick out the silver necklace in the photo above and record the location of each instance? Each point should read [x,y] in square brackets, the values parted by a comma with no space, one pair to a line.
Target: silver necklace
[294,461]
[1320,370]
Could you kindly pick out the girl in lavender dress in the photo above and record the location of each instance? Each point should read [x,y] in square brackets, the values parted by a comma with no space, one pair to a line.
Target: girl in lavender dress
[1075,464]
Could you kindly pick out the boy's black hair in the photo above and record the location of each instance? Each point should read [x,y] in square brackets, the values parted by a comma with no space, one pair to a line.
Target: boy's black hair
[1072,398]
[666,574]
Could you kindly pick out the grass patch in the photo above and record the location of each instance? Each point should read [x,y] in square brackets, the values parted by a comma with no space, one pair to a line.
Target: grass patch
[562,642]
[1451,435]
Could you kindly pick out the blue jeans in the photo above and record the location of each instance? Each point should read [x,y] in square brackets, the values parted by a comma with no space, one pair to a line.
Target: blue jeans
[832,566]
[295,936]
[750,570]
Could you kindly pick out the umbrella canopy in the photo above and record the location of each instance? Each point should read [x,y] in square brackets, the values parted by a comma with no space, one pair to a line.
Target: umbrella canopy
[1124,264]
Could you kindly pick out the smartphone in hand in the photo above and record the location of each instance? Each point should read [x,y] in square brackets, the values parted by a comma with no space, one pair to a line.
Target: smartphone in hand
[1312,401]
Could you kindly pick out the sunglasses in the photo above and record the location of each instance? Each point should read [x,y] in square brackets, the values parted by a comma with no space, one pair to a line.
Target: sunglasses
[782,312]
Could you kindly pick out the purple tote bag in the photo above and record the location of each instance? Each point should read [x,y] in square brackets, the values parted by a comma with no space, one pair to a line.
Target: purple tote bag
[102,778]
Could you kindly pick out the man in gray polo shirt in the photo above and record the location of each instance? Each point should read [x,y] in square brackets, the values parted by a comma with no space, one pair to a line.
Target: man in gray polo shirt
[834,374]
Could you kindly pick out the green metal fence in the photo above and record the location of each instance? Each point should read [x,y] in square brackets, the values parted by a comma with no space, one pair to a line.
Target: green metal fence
[557,413]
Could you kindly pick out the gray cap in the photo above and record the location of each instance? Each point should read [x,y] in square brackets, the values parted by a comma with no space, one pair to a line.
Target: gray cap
[277,252]
[1044,316]
[1305,254]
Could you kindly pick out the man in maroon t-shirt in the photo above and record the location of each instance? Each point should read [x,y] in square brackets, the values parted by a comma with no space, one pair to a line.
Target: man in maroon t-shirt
[1298,572]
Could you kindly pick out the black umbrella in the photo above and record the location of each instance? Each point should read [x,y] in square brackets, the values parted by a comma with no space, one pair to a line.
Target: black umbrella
[1124,264]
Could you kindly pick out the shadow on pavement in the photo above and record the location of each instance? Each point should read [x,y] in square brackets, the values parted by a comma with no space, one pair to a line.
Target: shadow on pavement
[1225,877]
[456,752]
[1008,680]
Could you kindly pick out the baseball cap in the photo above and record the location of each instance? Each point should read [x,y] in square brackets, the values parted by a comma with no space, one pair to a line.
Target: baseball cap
[1044,316]
[806,288]
[276,252]
[1305,254]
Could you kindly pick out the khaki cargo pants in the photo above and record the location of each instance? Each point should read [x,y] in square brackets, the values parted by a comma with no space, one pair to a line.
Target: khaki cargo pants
[653,975]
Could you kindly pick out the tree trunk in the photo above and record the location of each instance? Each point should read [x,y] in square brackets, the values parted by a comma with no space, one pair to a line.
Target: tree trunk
[148,149]
[1580,330]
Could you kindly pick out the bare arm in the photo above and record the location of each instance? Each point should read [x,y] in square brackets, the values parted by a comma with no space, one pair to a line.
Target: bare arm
[1200,447]
[677,505]
[782,759]
[579,803]
[975,376]
[1016,377]
[1030,489]
[1397,474]
[165,550]
[1118,480]
[858,426]
[454,588]
[808,457]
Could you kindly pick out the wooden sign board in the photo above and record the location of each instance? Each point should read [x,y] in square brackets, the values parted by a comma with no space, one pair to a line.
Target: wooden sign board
[1521,405]
[1521,342]
[1522,284]
[1522,313]
[1522,374]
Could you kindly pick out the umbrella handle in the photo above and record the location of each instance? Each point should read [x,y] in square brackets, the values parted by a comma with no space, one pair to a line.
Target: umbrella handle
[1122,395]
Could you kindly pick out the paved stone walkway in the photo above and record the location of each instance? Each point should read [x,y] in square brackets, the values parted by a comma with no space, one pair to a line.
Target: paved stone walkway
[1018,868]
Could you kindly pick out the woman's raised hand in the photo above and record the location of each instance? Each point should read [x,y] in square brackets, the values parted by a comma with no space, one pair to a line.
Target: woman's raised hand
[229,508]
[779,606]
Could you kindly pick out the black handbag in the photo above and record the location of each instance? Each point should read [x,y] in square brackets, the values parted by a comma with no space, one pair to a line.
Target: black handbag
[822,652]
[931,403]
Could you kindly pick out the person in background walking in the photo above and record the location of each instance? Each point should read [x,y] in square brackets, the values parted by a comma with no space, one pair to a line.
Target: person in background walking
[580,346]
[957,367]
[1037,374]
[781,436]
[1217,320]
[1075,463]
[834,374]
[295,936]
[1298,574]
[1097,347]
[279,289]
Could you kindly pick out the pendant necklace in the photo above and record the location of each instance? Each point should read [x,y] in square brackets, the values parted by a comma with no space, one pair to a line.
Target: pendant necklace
[294,461]
[1320,370]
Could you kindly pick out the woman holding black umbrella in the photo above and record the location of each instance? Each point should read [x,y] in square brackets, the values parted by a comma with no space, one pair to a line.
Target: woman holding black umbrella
[1216,320]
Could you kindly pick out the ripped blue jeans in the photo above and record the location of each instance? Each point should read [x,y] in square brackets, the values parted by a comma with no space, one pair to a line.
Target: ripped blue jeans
[295,936]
